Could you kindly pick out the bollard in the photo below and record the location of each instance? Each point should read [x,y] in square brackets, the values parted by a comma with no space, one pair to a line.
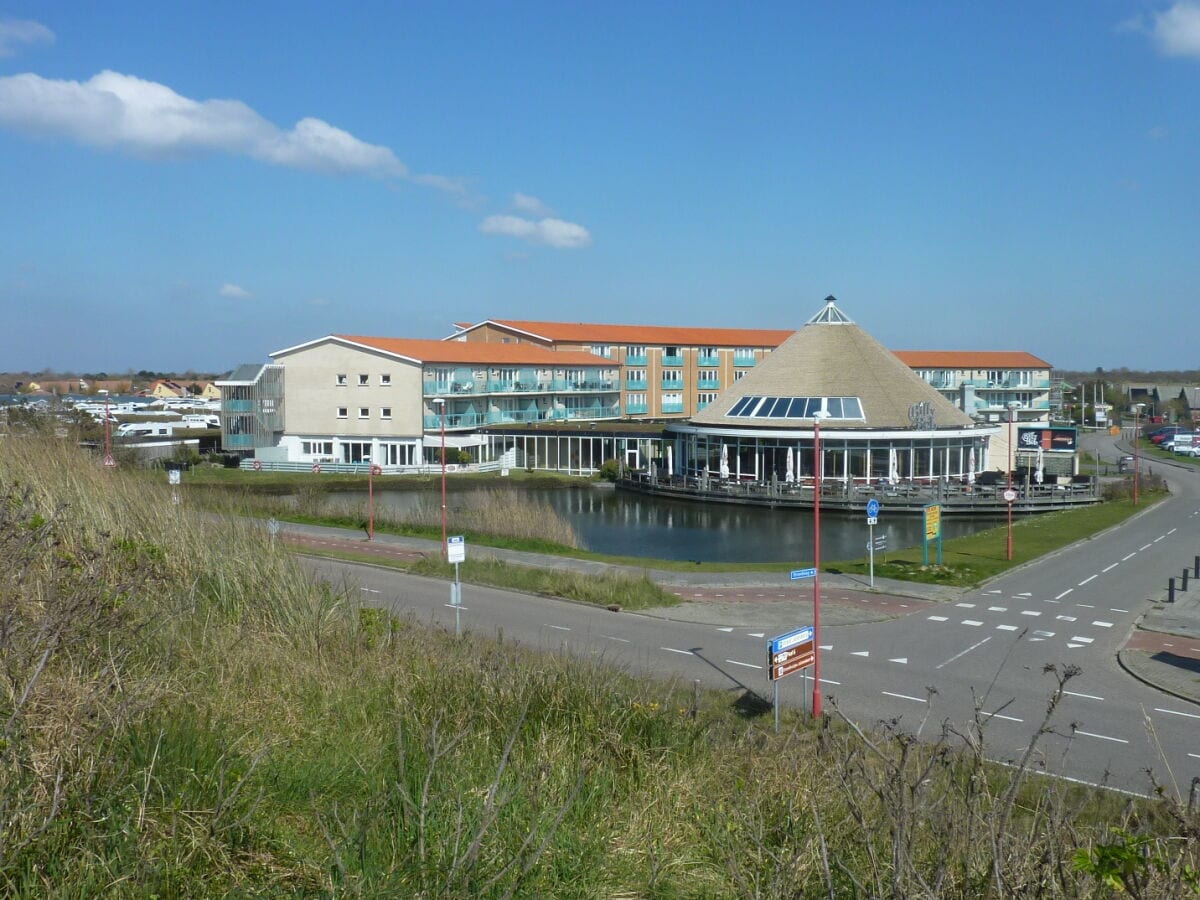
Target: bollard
[1186,573]
[1171,590]
[1196,567]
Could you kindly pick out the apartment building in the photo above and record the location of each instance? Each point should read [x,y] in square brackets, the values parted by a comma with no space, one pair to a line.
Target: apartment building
[665,372]
[985,383]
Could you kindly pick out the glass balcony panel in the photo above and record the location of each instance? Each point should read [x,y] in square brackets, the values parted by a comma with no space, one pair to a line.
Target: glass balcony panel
[672,360]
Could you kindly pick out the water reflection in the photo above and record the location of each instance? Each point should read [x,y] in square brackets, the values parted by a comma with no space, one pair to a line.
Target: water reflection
[626,524]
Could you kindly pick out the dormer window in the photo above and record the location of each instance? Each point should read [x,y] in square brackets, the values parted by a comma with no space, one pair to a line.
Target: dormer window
[341,380]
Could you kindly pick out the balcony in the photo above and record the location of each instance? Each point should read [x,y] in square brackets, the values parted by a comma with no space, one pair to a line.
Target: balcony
[238,440]
[635,384]
[635,409]
[635,359]
[708,360]
[708,384]
[672,360]
[242,406]
[668,408]
[744,361]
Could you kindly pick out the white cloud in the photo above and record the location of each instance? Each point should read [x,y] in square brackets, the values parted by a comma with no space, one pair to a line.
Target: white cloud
[552,232]
[1177,30]
[22,31]
[236,291]
[122,112]
[530,205]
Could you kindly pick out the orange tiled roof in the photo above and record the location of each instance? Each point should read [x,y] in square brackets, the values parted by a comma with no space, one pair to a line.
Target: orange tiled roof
[971,359]
[433,351]
[586,333]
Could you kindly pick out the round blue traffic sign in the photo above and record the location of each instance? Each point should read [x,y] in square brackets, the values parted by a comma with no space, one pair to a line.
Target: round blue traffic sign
[872,508]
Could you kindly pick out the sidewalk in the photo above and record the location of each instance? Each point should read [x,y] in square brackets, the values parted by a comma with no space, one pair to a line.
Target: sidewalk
[1164,650]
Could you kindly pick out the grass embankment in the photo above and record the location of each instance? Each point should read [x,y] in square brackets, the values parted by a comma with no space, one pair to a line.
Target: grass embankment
[185,714]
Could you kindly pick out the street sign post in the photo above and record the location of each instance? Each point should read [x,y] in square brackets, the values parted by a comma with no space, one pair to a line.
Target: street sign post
[933,532]
[456,552]
[872,521]
[797,574]
[787,654]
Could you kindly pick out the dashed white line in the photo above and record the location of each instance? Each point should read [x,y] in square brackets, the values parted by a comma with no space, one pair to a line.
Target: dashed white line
[556,627]
[904,697]
[1045,634]
[735,662]
[999,716]
[997,609]
[1082,640]
[1089,578]
[1065,618]
[966,605]
[1143,547]
[1085,605]
[1030,612]
[757,634]
[937,618]
[673,650]
[1115,609]
[972,622]
[1103,737]
[1172,712]
[1103,624]
[1194,755]
[1128,556]
[1064,593]
[1172,531]
[1083,696]
[611,638]
[1109,568]
[1159,538]
[370,590]
[1006,627]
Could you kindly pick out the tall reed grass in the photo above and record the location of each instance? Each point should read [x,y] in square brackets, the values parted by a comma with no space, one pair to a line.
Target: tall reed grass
[184,713]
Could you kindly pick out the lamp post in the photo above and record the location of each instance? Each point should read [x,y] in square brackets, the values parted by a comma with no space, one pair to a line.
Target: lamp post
[817,467]
[1137,410]
[1008,494]
[441,405]
[109,462]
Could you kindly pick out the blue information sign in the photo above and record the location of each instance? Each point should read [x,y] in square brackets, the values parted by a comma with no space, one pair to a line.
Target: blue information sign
[790,639]
[802,573]
[872,508]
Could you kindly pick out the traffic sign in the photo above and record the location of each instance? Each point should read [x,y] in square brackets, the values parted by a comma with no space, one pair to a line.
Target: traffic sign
[872,510]
[797,574]
[456,549]
[872,520]
[109,462]
[376,470]
[1010,495]
[790,652]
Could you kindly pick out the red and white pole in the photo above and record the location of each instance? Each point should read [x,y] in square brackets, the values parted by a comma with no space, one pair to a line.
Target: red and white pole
[816,692]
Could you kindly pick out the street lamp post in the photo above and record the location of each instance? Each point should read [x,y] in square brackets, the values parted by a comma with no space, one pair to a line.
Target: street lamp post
[109,462]
[1012,412]
[817,467]
[441,405]
[1137,410]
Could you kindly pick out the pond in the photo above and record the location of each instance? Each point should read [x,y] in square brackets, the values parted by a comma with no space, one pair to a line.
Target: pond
[626,524]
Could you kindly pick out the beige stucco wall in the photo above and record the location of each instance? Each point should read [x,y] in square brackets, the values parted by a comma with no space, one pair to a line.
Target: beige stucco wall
[312,394]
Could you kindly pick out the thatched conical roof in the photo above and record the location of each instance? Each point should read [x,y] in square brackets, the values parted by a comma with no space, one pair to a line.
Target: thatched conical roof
[831,356]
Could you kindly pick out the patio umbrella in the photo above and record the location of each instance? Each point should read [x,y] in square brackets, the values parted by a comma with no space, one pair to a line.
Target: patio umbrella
[724,461]
[893,467]
[971,466]
[1037,473]
[670,461]
[791,467]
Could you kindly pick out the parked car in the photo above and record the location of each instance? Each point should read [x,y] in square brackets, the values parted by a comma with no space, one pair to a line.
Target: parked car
[1125,464]
[1177,442]
[1161,434]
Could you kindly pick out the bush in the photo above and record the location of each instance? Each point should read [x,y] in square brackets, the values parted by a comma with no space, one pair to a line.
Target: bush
[610,469]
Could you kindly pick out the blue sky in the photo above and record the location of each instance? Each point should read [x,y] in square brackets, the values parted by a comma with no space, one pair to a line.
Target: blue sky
[196,185]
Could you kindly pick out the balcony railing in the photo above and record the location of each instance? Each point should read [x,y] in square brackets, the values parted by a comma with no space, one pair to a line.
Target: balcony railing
[456,421]
[744,361]
[672,407]
[238,406]
[710,384]
[672,360]
[635,384]
[635,409]
[556,385]
[708,360]
[635,359]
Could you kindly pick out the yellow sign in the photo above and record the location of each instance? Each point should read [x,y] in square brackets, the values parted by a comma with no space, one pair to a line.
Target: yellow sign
[933,522]
[1115,430]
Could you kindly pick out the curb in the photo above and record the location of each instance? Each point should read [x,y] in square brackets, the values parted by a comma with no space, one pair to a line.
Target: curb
[1147,680]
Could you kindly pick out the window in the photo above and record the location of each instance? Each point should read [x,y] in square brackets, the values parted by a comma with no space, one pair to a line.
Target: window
[342,412]
[385,412]
[672,378]
[635,374]
[316,448]
[635,399]
[738,376]
[364,412]
[364,380]
[604,350]
[341,380]
[633,350]
[670,398]
[385,380]
[708,374]
[671,351]
[705,397]
[743,354]
[796,407]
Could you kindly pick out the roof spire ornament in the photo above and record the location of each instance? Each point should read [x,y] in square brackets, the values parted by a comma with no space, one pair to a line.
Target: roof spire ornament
[830,314]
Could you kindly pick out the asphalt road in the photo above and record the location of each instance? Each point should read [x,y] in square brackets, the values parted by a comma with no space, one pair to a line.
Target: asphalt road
[985,655]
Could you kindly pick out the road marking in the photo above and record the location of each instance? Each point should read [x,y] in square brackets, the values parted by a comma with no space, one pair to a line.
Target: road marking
[1085,605]
[611,638]
[1044,634]
[1006,627]
[1128,556]
[1172,531]
[995,592]
[1030,612]
[370,590]
[1064,593]
[1115,609]
[904,697]
[1103,624]
[1066,618]
[937,618]
[1159,538]
[1089,578]
[1172,712]
[1143,547]
[903,660]
[726,630]
[556,627]
[828,681]
[972,622]
[964,652]
[734,662]
[999,716]
[861,653]
[757,634]
[997,609]
[673,650]
[1024,594]
[1082,640]
[827,646]
[1109,568]
[1083,696]
[966,605]
[1196,755]
[1074,646]
[1103,737]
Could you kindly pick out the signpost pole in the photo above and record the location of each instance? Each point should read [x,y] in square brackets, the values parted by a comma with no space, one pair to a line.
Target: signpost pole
[775,703]
[457,603]
[871,553]
[816,691]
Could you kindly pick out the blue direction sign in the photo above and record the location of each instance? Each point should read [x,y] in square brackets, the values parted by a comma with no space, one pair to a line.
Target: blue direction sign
[797,574]
[790,639]
[872,508]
